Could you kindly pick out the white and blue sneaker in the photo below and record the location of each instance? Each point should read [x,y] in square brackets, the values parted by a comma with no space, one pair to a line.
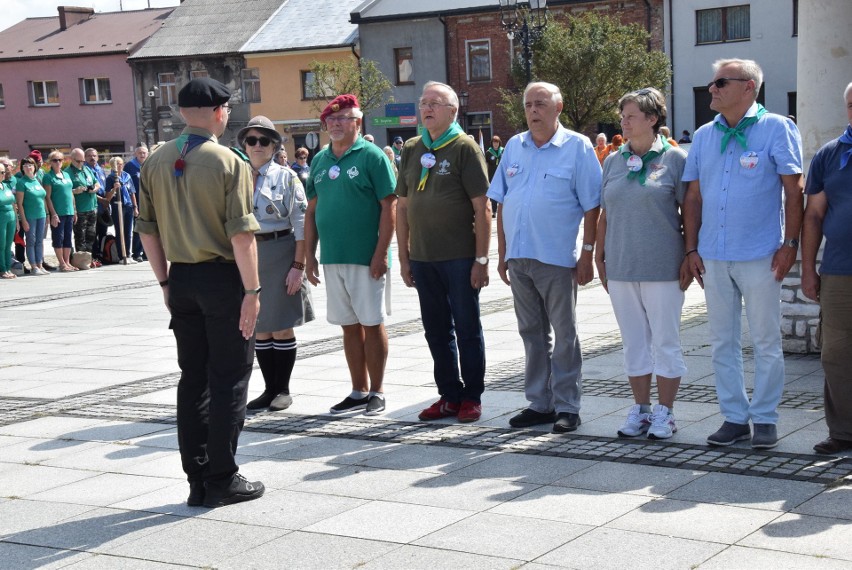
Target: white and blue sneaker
[637,422]
[662,423]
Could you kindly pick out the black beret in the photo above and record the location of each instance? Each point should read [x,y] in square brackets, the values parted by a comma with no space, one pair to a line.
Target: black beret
[203,92]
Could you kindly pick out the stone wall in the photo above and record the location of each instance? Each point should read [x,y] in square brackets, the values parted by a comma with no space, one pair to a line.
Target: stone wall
[799,315]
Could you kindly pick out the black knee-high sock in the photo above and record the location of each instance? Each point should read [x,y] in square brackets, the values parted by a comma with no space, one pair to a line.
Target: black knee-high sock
[263,350]
[285,359]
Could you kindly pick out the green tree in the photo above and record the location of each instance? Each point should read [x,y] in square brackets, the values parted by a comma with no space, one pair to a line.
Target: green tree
[362,78]
[594,60]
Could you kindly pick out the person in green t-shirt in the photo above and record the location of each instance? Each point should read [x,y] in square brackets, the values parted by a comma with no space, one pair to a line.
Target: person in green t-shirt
[8,223]
[60,202]
[351,208]
[33,210]
[84,186]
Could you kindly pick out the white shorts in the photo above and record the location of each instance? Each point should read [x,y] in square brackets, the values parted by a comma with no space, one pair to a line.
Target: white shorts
[648,314]
[353,296]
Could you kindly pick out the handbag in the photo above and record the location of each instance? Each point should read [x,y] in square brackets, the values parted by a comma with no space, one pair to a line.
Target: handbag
[105,217]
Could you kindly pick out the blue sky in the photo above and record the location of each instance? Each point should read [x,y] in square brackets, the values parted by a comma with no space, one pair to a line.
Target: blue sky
[16,10]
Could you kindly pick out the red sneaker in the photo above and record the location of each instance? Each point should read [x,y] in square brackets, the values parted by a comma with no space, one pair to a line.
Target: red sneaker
[469,411]
[438,410]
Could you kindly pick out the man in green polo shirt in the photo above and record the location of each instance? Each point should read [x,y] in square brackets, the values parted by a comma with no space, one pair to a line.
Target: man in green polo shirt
[85,189]
[352,209]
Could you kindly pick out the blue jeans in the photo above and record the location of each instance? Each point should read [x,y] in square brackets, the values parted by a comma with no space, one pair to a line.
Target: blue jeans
[35,241]
[61,234]
[449,308]
[726,285]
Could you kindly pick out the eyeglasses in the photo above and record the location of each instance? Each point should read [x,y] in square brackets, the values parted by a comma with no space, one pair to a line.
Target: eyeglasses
[338,120]
[432,104]
[227,108]
[55,160]
[264,141]
[723,81]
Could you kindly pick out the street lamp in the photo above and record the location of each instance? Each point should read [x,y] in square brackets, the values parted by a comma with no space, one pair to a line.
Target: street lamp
[529,23]
[464,96]
[154,116]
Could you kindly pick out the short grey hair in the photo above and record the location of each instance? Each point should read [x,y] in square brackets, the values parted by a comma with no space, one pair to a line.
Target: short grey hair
[452,97]
[847,91]
[555,92]
[650,102]
[748,67]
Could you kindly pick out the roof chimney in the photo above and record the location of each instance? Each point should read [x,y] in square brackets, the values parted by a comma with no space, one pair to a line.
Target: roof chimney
[70,15]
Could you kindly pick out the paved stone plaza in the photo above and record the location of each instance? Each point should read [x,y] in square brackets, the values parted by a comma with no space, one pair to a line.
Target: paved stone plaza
[90,476]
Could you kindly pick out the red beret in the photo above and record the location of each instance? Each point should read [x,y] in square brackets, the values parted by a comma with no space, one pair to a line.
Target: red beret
[339,103]
[36,155]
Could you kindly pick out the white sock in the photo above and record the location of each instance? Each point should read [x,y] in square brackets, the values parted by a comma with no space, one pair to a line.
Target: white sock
[379,394]
[356,395]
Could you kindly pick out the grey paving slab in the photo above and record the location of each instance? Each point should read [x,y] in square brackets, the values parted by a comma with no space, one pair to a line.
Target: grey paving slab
[38,450]
[22,515]
[102,490]
[97,530]
[751,492]
[25,557]
[503,536]
[740,557]
[426,458]
[608,548]
[697,521]
[389,521]
[630,478]
[109,562]
[23,480]
[461,492]
[49,427]
[167,500]
[358,482]
[179,544]
[834,503]
[279,473]
[578,506]
[419,558]
[536,469]
[267,445]
[284,509]
[335,450]
[310,551]
[805,534]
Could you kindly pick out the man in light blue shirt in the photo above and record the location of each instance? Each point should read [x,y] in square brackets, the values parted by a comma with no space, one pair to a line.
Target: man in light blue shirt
[738,168]
[548,181]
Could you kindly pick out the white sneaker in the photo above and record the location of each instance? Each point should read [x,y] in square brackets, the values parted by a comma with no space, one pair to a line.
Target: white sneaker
[637,422]
[662,423]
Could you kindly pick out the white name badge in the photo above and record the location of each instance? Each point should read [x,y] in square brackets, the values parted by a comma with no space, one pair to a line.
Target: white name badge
[428,160]
[512,170]
[334,172]
[748,160]
[634,163]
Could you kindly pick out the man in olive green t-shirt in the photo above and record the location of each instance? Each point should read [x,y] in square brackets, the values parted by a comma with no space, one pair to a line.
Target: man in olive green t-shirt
[443,230]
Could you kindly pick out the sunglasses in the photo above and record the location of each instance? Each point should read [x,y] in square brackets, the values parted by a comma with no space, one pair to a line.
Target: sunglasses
[55,160]
[723,81]
[264,141]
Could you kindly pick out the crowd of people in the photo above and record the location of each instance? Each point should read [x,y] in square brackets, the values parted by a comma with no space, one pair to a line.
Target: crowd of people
[219,227]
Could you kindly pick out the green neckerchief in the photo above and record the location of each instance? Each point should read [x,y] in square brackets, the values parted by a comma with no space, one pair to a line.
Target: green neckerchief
[495,153]
[451,134]
[737,132]
[646,158]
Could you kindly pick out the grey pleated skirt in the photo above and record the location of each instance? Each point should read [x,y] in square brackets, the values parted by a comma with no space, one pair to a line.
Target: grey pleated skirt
[278,310]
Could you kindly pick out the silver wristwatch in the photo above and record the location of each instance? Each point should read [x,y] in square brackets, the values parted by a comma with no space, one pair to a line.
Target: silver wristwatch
[482,260]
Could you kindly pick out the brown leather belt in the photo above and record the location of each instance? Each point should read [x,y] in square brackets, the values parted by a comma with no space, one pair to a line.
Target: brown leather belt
[273,235]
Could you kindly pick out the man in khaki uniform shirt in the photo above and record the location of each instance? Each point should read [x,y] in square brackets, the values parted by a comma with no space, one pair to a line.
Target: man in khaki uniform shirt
[197,227]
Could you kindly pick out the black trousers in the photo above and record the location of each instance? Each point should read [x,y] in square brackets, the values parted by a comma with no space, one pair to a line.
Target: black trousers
[215,362]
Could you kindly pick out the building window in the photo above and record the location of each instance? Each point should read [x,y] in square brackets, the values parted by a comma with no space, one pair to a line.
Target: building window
[404,66]
[251,85]
[44,93]
[719,25]
[479,123]
[309,87]
[168,88]
[198,74]
[94,91]
[792,104]
[478,60]
[2,99]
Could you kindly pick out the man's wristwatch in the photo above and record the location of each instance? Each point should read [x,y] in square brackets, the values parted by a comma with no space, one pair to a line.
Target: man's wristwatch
[794,243]
[253,291]
[482,260]
[588,247]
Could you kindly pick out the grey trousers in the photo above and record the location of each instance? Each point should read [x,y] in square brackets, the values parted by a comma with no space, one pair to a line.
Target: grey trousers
[545,298]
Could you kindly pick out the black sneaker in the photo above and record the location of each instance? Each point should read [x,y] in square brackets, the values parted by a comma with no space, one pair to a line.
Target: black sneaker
[350,404]
[196,494]
[530,417]
[238,491]
[375,406]
[565,422]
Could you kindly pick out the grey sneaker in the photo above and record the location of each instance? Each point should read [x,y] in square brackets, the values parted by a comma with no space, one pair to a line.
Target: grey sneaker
[729,434]
[281,402]
[765,436]
[376,405]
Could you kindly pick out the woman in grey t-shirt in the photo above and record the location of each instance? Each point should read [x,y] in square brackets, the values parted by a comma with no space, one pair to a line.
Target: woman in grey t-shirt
[639,256]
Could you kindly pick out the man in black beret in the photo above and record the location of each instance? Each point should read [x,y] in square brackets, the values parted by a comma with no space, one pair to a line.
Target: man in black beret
[197,227]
